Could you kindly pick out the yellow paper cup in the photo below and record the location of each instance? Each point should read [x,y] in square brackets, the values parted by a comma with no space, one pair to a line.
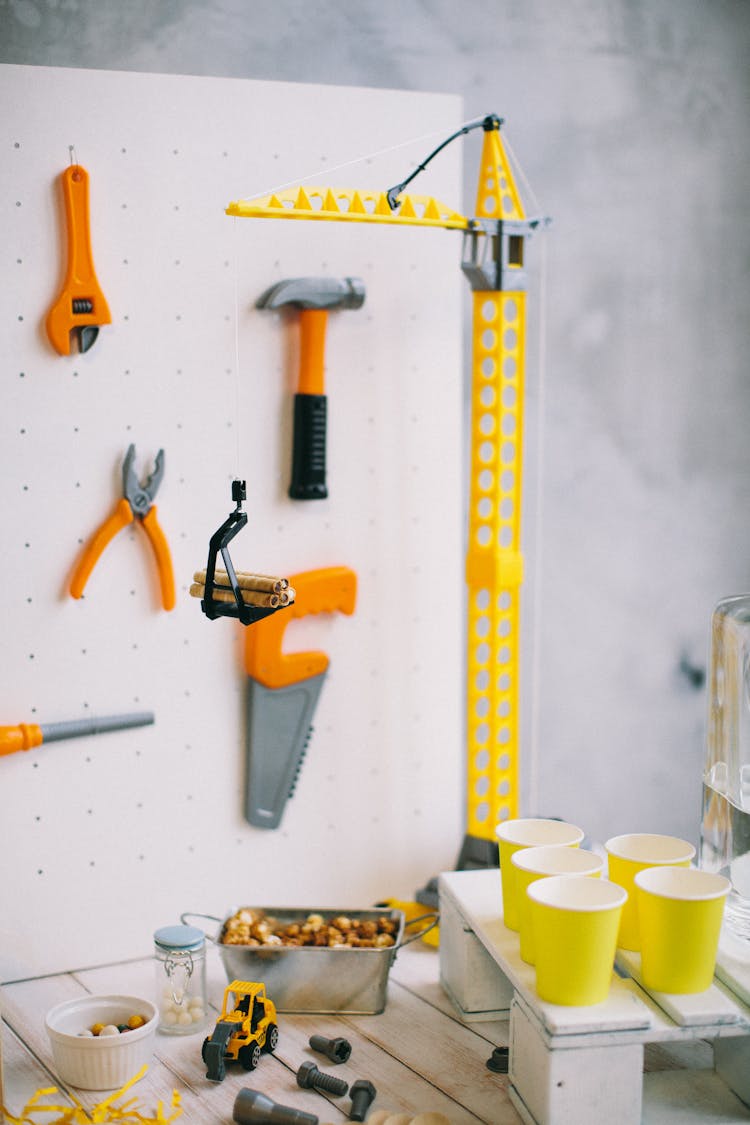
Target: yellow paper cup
[538,863]
[633,853]
[679,911]
[575,920]
[530,832]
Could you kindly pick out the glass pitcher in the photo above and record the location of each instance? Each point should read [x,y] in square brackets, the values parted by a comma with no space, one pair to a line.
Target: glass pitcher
[725,822]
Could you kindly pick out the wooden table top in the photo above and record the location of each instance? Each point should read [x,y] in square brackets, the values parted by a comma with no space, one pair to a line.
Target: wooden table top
[418,1053]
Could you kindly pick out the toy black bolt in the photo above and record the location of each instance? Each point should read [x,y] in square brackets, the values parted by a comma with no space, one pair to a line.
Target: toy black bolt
[253,1108]
[362,1094]
[310,1078]
[337,1050]
[498,1060]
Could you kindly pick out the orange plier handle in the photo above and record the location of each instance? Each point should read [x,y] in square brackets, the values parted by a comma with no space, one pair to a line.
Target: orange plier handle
[120,518]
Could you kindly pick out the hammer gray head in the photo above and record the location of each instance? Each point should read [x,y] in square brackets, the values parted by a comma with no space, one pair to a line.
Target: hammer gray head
[315,293]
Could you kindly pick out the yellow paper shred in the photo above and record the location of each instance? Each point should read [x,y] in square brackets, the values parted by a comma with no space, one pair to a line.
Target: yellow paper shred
[103,1113]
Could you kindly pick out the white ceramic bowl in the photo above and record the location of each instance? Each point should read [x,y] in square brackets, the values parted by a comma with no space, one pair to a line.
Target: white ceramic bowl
[100,1062]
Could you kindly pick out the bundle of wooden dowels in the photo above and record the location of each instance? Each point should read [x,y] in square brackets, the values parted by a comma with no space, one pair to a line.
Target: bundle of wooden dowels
[262,590]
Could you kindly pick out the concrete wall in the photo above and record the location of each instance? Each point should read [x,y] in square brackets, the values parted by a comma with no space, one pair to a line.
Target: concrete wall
[630,120]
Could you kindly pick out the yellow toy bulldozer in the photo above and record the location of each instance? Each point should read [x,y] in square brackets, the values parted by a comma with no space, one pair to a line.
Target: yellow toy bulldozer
[246,1026]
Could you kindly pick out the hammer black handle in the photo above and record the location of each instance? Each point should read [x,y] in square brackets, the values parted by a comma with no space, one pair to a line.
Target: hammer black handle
[309,448]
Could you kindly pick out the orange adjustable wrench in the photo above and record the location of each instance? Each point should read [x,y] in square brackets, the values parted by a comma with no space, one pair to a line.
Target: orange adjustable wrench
[81,306]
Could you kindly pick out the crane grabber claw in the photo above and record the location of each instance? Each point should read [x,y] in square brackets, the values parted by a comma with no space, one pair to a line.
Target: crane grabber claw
[229,593]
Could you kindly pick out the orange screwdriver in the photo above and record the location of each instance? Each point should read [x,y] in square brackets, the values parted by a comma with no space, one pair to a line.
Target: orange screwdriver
[27,735]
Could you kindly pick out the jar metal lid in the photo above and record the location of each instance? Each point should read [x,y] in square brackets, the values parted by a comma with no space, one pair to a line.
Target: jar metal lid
[188,938]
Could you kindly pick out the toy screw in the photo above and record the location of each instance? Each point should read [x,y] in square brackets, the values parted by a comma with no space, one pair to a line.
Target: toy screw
[362,1094]
[253,1108]
[498,1060]
[310,1078]
[337,1050]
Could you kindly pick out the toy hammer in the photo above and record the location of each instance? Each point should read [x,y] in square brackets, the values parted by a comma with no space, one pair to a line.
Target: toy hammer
[314,297]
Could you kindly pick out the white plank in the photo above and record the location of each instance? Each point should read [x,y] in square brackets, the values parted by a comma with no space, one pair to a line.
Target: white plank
[712,1007]
[449,1055]
[416,969]
[23,1074]
[733,965]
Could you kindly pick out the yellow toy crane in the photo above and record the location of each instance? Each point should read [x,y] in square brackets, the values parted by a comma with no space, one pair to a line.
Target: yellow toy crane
[493,260]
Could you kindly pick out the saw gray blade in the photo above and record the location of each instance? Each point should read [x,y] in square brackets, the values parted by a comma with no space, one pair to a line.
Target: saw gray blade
[278,727]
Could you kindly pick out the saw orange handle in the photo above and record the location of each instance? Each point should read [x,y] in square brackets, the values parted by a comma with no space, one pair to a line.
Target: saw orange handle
[81,301]
[121,517]
[23,737]
[326,590]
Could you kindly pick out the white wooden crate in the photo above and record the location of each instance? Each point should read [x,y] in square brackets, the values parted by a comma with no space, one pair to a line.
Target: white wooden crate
[584,1066]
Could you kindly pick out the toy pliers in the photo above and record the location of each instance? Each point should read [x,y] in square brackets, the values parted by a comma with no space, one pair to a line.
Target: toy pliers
[137,501]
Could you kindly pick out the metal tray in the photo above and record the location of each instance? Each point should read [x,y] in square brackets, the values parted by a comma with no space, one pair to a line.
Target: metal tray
[317,978]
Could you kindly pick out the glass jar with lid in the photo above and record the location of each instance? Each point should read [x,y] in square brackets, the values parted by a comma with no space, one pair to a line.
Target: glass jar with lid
[180,958]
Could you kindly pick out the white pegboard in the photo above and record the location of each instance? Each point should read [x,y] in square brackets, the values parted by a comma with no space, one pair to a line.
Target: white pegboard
[107,837]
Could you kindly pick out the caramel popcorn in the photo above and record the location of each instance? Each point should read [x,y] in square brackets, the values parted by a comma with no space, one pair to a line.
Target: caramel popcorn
[253,928]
